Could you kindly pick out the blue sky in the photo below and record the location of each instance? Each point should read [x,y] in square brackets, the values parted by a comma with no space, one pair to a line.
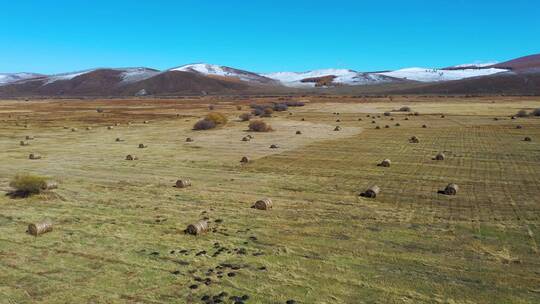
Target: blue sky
[263,36]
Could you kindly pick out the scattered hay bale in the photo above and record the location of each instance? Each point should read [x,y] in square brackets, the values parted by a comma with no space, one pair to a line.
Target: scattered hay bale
[245,160]
[197,228]
[259,126]
[39,228]
[451,189]
[131,157]
[142,146]
[34,156]
[440,156]
[385,163]
[189,139]
[414,140]
[298,132]
[337,128]
[527,138]
[519,127]
[24,143]
[146,122]
[117,124]
[246,138]
[273,146]
[29,137]
[50,185]
[183,183]
[371,192]
[513,117]
[263,204]
[110,127]
[424,126]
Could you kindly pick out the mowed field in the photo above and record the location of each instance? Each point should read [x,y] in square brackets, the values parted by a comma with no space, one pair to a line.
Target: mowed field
[118,225]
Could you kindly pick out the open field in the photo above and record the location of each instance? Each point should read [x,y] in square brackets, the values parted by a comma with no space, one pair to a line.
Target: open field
[118,235]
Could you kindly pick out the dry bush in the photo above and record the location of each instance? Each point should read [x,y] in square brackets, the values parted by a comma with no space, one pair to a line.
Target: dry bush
[245,116]
[522,113]
[536,112]
[204,124]
[27,184]
[217,118]
[239,108]
[267,112]
[279,107]
[405,109]
[259,126]
[295,104]
[211,107]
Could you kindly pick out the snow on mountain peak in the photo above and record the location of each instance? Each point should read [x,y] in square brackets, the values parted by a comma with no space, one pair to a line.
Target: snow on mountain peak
[432,75]
[341,76]
[217,70]
[6,78]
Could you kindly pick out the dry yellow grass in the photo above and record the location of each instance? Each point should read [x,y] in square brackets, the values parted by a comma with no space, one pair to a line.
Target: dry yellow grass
[118,233]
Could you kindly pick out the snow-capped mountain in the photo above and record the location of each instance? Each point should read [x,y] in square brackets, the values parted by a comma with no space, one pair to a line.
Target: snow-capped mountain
[338,76]
[435,75]
[223,71]
[6,78]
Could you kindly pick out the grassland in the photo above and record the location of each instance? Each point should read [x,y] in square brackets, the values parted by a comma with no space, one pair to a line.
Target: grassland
[119,224]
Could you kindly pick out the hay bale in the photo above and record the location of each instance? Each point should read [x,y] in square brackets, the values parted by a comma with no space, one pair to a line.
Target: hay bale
[189,139]
[406,118]
[527,138]
[338,120]
[440,156]
[88,128]
[110,127]
[371,192]
[451,189]
[298,132]
[273,146]
[385,163]
[263,204]
[245,160]
[197,228]
[303,119]
[424,126]
[146,122]
[377,127]
[34,156]
[39,228]
[131,157]
[118,139]
[73,129]
[414,140]
[250,136]
[392,118]
[24,143]
[387,126]
[373,121]
[183,183]
[117,124]
[398,124]
[245,138]
[337,128]
[142,146]
[495,118]
[442,116]
[513,117]
[29,137]
[359,119]
[49,185]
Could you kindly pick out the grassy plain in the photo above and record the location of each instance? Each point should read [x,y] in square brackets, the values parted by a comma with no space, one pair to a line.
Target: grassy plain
[118,235]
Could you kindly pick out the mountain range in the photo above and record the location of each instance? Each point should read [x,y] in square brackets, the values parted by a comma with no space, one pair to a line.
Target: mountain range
[517,76]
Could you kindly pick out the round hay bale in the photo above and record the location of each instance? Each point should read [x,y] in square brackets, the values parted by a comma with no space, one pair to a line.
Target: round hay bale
[49,185]
[302,119]
[249,136]
[372,192]
[392,118]
[110,127]
[118,139]
[440,156]
[406,118]
[385,163]
[451,189]
[424,126]
[377,127]
[495,118]
[245,138]
[34,156]
[39,228]
[189,139]
[398,124]
[183,183]
[88,128]
[359,119]
[117,124]
[29,137]
[387,126]
[273,146]
[513,117]
[131,157]
[298,132]
[146,122]
[338,120]
[73,129]
[527,138]
[368,115]
[24,143]
[263,204]
[373,121]
[414,140]
[337,128]
[519,127]
[142,146]
[245,160]
[197,228]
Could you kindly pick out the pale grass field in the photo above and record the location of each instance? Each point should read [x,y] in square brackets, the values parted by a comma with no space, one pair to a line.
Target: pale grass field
[119,224]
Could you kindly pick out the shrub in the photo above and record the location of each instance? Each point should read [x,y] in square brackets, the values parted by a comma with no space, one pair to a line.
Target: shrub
[405,109]
[279,107]
[217,118]
[522,113]
[536,112]
[259,126]
[386,113]
[204,124]
[245,116]
[211,107]
[267,112]
[28,184]
[239,108]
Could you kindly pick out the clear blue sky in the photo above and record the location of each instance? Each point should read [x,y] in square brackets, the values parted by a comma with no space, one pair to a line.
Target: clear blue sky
[263,36]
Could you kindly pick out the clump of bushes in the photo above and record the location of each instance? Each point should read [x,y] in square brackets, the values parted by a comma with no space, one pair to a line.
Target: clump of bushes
[405,109]
[536,112]
[259,126]
[387,114]
[27,184]
[239,107]
[245,116]
[279,107]
[211,107]
[522,113]
[217,118]
[267,112]
[211,121]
